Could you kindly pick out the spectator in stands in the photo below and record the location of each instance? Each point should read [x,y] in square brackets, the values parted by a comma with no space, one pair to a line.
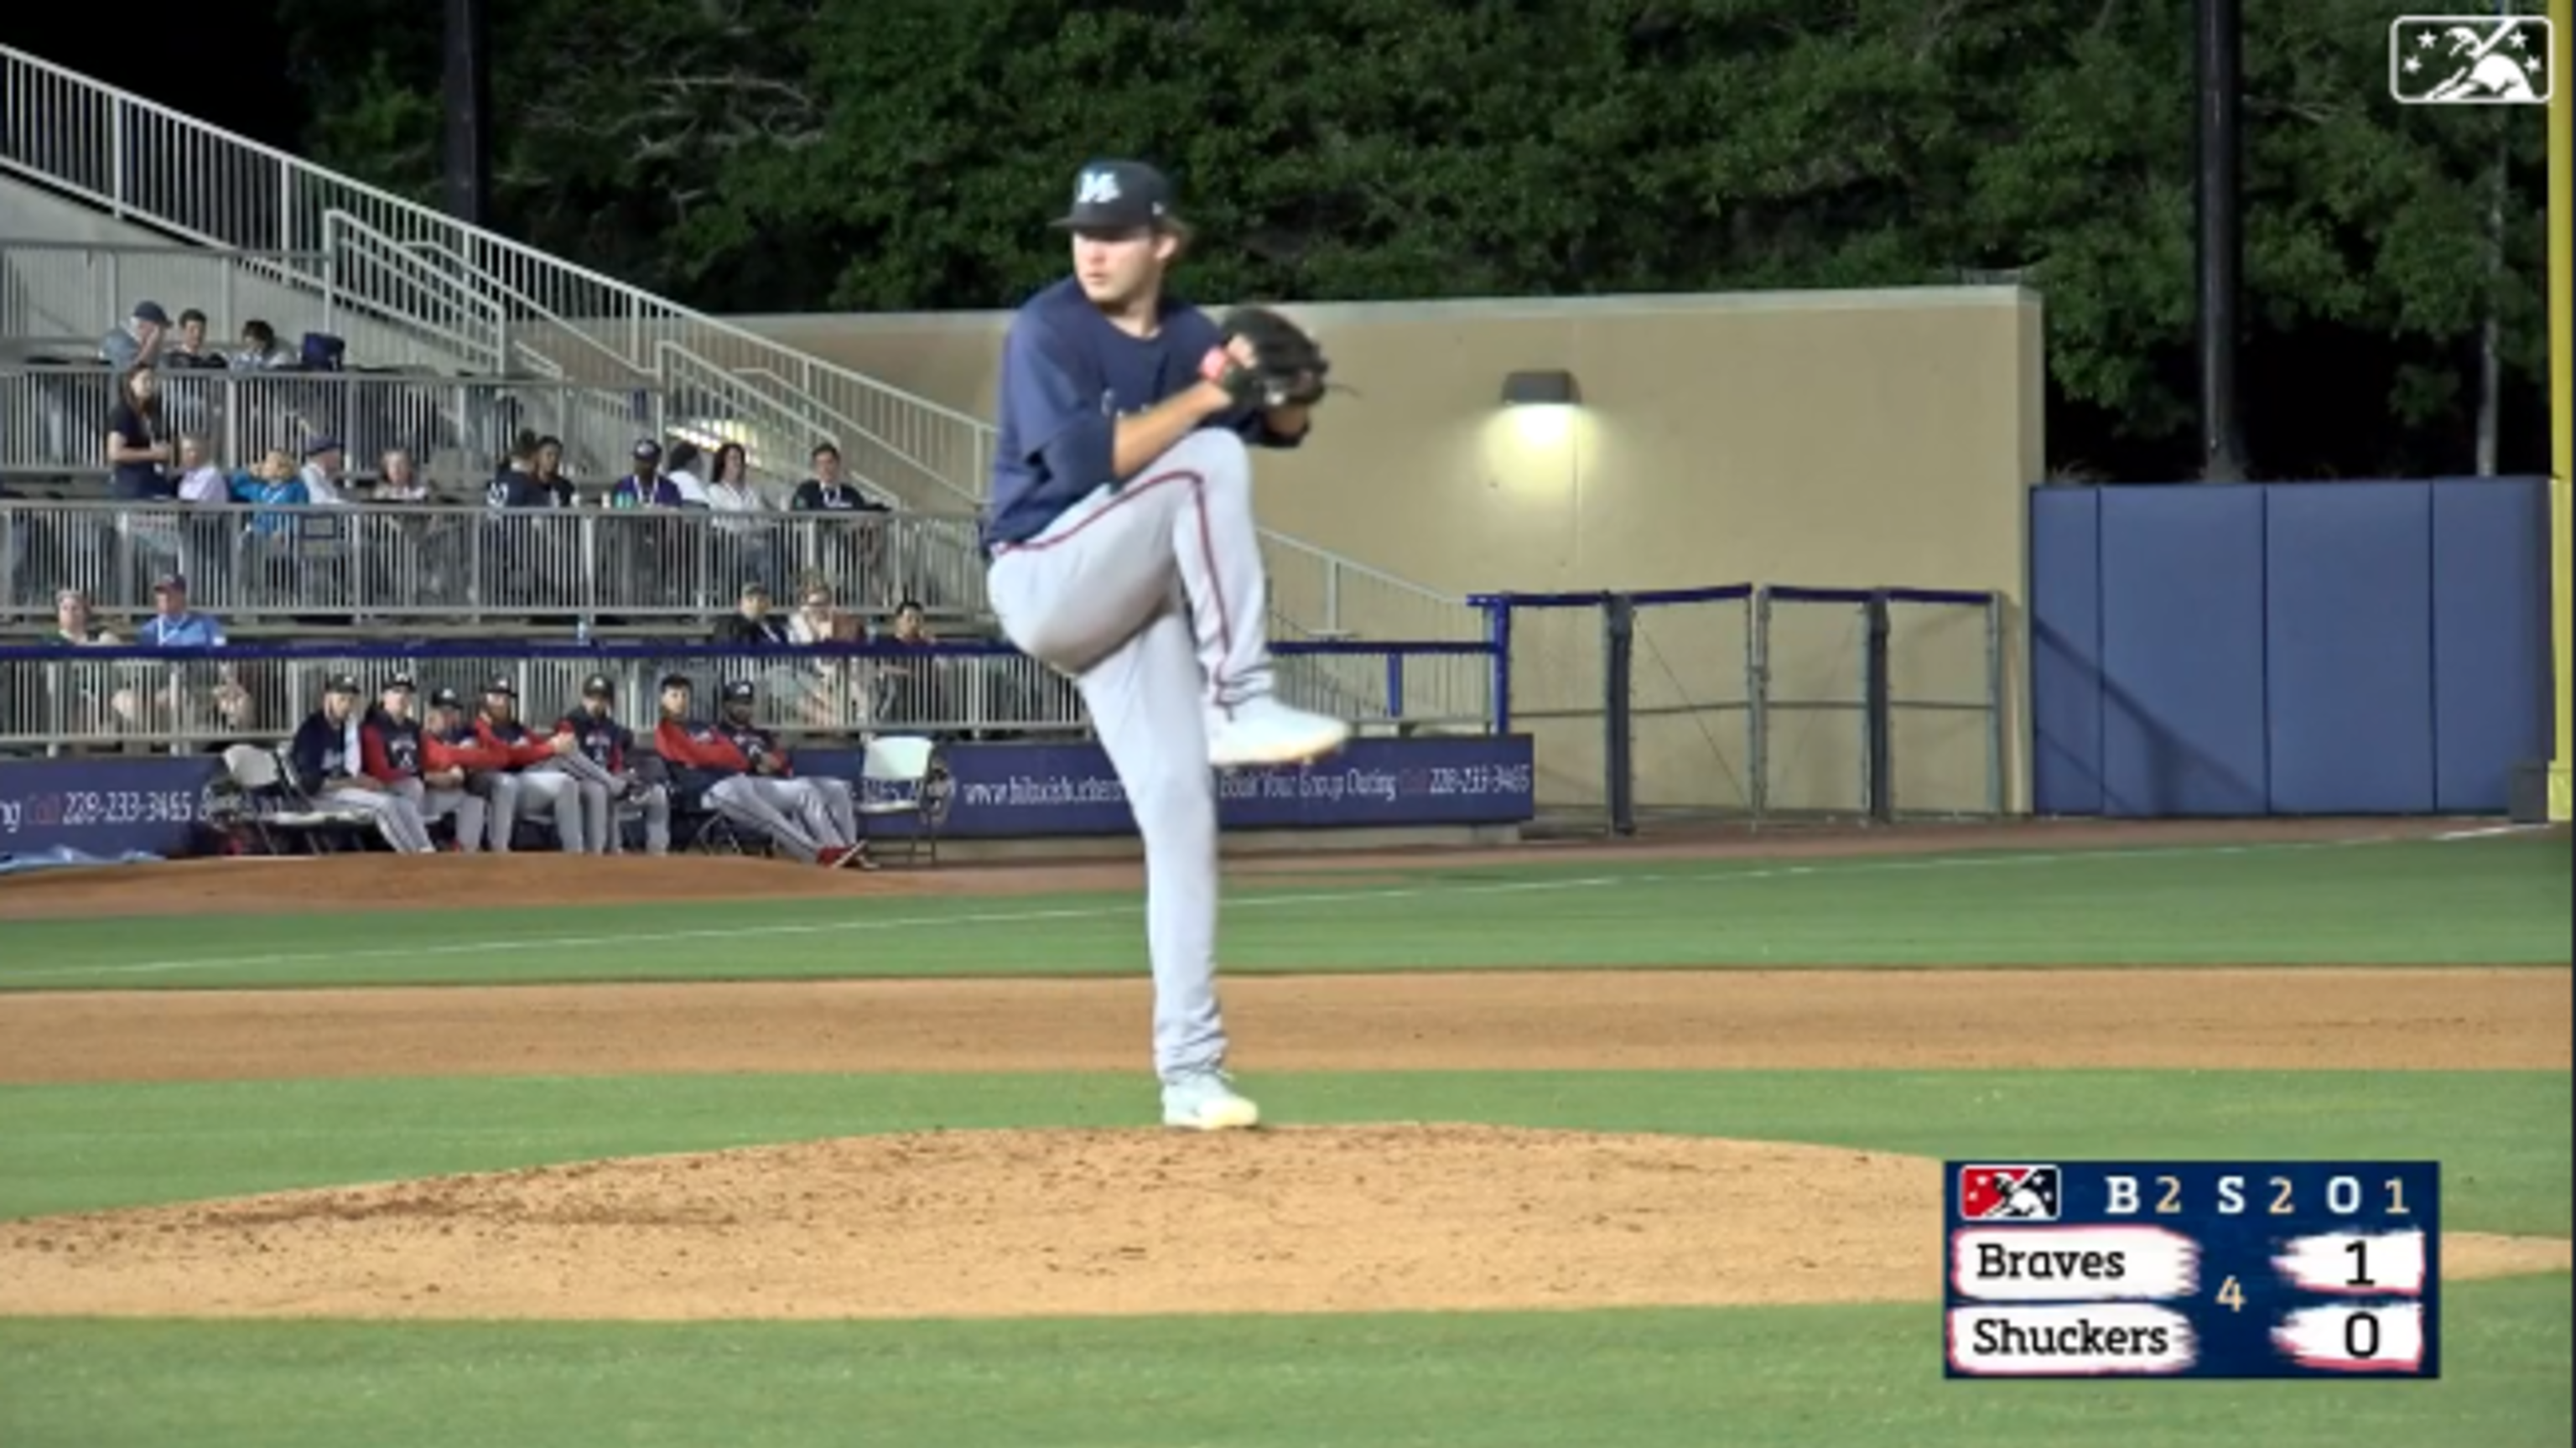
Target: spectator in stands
[260,350]
[514,483]
[707,764]
[392,752]
[200,481]
[273,481]
[737,503]
[138,342]
[398,479]
[910,686]
[326,468]
[860,551]
[189,349]
[88,697]
[831,701]
[75,626]
[138,451]
[174,625]
[452,750]
[683,472]
[532,759]
[751,623]
[647,486]
[827,491]
[604,752]
[328,755]
[559,490]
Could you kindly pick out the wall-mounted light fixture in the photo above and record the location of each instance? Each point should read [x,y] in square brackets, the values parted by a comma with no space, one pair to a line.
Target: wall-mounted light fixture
[1539,389]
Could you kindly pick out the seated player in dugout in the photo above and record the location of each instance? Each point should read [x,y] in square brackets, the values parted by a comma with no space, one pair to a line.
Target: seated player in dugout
[326,755]
[604,754]
[392,748]
[451,748]
[741,774]
[533,759]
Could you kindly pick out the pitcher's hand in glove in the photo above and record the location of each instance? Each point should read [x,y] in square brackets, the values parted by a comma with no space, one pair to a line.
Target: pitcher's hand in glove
[1267,361]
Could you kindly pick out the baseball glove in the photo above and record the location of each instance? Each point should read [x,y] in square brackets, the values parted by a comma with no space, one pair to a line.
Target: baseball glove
[1287,370]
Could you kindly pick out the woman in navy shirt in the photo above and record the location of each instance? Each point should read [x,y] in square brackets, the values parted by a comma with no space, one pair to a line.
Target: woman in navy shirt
[137,451]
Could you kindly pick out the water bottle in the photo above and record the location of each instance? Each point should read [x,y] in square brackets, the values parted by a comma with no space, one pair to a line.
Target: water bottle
[581,631]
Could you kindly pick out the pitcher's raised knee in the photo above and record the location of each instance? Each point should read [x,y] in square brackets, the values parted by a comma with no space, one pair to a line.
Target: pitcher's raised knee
[1217,456]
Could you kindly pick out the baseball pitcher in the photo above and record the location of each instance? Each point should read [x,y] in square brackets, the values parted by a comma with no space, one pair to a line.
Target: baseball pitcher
[1125,555]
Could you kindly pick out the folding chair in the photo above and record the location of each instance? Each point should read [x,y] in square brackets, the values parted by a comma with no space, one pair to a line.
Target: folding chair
[698,830]
[901,775]
[274,807]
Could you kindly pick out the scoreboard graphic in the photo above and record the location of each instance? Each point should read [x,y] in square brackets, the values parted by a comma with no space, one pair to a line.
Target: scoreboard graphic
[2282,1269]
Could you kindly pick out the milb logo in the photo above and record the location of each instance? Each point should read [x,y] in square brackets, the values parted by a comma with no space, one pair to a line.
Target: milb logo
[2008,1193]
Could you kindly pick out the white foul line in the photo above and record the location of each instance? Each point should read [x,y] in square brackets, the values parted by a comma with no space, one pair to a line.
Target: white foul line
[1846,866]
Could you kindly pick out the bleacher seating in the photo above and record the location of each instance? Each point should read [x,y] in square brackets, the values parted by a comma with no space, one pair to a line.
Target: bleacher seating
[455,341]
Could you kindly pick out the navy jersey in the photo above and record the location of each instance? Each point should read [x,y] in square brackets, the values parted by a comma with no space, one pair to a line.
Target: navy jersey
[324,750]
[1068,374]
[600,737]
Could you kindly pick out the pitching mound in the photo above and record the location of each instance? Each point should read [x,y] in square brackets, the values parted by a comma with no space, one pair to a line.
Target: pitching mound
[1030,1223]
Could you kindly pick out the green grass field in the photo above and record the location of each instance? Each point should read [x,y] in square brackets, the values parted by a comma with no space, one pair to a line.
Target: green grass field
[1861,1375]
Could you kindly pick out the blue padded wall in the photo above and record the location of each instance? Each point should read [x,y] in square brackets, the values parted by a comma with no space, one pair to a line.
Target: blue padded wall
[2348,658]
[2182,651]
[2491,683]
[2066,651]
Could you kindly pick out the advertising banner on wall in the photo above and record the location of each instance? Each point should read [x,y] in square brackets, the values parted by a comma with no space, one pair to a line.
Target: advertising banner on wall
[1008,791]
[103,807]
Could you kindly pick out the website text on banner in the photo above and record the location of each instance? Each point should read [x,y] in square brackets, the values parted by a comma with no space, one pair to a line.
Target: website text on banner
[1756,701]
[111,807]
[54,698]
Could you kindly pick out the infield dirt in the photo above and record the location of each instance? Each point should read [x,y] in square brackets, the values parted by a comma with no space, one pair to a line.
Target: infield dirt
[1011,1223]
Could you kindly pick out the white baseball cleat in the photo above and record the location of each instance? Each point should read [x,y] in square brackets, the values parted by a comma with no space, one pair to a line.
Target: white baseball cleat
[1208,1103]
[1261,730]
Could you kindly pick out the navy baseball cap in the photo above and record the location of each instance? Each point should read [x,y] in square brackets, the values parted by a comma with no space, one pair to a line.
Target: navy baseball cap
[597,687]
[399,684]
[340,684]
[648,449]
[1119,196]
[445,699]
[500,684]
[149,311]
[738,689]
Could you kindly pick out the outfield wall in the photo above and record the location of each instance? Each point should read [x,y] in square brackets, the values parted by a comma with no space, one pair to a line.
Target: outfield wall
[2288,648]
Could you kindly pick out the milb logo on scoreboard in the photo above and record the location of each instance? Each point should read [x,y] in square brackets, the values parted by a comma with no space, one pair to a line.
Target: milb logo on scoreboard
[2472,60]
[2191,1269]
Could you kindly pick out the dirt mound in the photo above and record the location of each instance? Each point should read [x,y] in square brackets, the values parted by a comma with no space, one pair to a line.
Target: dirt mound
[1027,1223]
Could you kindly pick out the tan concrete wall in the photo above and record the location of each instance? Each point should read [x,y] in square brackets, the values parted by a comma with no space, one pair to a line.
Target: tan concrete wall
[1846,439]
